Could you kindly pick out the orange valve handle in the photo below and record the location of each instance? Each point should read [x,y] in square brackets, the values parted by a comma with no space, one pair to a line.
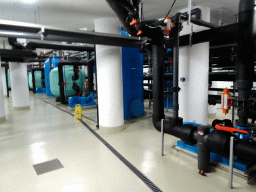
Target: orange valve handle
[230,129]
[139,32]
[134,22]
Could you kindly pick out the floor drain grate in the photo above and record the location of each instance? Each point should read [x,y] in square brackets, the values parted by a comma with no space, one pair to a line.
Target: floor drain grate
[47,166]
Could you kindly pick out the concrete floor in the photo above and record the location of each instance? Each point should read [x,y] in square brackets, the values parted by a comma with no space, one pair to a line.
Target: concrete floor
[44,133]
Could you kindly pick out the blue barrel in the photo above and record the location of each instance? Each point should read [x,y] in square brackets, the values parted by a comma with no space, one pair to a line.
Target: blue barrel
[48,66]
[133,93]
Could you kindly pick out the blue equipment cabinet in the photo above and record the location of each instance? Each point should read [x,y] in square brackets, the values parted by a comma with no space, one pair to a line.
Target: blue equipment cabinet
[133,93]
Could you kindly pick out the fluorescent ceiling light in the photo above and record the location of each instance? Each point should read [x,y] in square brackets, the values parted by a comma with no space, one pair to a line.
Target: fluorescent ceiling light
[83,29]
[29,1]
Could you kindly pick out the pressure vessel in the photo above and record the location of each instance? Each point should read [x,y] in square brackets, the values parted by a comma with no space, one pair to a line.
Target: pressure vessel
[9,80]
[38,79]
[68,72]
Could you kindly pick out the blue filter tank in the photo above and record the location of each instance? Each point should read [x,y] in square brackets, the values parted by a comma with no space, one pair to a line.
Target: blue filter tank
[50,64]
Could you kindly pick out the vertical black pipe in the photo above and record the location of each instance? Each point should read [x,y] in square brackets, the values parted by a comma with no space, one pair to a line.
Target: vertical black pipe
[176,74]
[6,76]
[245,57]
[203,151]
[158,81]
[61,83]
[90,75]
[33,81]
[98,124]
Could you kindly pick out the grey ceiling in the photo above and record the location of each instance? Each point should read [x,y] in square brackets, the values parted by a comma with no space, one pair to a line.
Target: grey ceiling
[82,13]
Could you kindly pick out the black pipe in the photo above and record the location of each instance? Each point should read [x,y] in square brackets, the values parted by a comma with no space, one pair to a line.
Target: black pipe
[228,32]
[203,154]
[96,79]
[15,45]
[61,84]
[203,23]
[176,73]
[55,46]
[129,7]
[171,127]
[123,16]
[7,84]
[245,57]
[33,81]
[90,74]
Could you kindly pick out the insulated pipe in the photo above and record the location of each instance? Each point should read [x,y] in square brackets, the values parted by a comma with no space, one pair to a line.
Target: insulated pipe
[122,14]
[15,45]
[203,23]
[245,57]
[4,81]
[228,32]
[90,74]
[2,106]
[35,45]
[176,75]
[129,7]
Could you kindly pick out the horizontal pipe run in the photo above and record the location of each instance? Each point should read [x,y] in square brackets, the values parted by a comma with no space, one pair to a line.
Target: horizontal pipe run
[55,46]
[203,23]
[101,39]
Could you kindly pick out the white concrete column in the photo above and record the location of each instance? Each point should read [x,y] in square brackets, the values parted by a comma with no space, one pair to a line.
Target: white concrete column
[19,84]
[109,73]
[2,106]
[4,81]
[194,67]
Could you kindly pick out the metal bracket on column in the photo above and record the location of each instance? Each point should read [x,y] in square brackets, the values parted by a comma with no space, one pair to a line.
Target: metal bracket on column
[176,89]
[231,162]
[162,136]
[42,33]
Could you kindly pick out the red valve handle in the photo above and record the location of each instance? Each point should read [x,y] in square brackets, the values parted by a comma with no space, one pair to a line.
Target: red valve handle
[230,129]
[64,83]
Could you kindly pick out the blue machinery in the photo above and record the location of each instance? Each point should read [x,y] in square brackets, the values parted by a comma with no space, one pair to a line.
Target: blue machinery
[83,101]
[133,93]
[50,64]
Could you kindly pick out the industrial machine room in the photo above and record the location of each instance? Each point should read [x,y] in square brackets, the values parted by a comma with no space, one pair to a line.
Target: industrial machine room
[128,95]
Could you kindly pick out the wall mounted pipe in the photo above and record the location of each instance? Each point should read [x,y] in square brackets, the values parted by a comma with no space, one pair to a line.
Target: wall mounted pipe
[43,45]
